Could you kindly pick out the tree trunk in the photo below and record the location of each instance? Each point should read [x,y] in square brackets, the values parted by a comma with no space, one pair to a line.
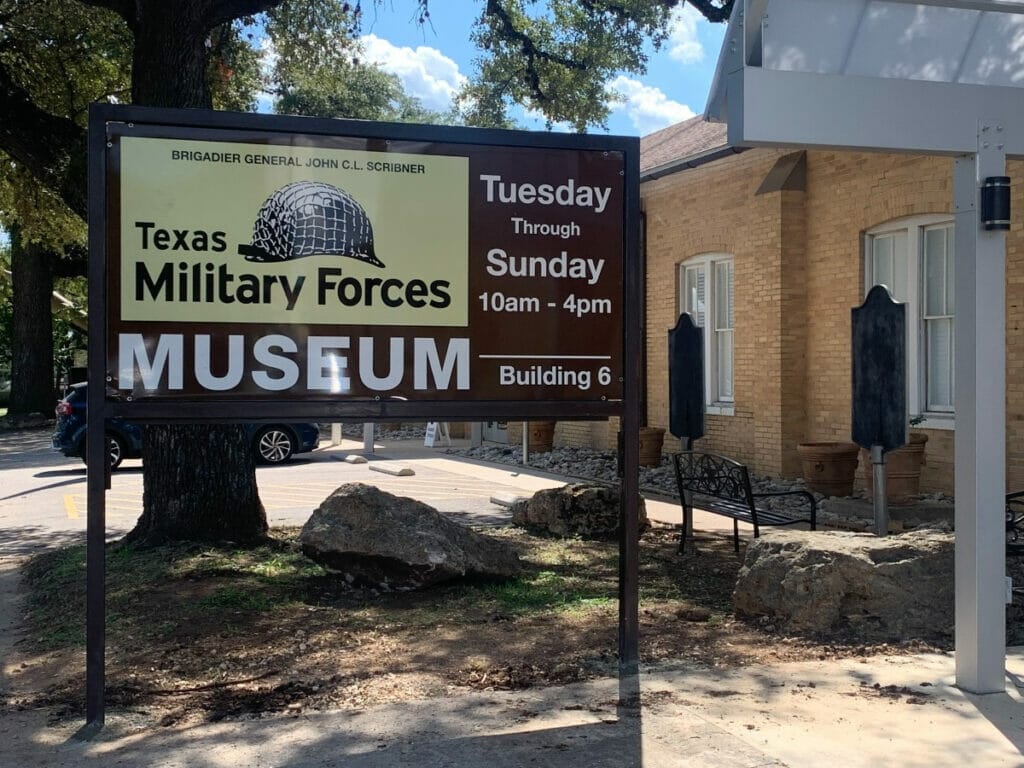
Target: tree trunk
[32,386]
[199,481]
[169,60]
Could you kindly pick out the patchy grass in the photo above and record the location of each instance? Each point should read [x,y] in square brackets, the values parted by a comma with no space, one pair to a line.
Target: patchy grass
[205,632]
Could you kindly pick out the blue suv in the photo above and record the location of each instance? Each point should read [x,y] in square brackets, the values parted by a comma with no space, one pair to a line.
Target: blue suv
[273,443]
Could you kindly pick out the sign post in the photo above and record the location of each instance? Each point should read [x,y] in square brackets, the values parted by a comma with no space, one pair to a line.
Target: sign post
[879,370]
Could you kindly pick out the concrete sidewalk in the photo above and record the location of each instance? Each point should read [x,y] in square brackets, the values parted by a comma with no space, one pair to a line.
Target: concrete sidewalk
[527,480]
[882,711]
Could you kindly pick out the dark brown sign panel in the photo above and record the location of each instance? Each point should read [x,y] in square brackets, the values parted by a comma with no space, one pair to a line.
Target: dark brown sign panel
[302,267]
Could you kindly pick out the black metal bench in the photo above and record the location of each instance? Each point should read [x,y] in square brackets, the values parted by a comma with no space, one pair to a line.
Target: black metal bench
[1015,524]
[724,487]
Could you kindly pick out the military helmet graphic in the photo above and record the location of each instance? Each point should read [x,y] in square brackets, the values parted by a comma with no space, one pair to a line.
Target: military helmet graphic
[309,217]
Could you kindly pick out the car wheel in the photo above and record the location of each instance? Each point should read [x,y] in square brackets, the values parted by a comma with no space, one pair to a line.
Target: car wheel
[274,445]
[115,450]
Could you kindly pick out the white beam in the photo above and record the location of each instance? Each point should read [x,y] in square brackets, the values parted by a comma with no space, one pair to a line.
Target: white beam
[804,109]
[980,441]
[996,6]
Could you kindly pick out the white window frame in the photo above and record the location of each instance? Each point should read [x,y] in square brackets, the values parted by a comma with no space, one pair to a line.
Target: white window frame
[914,228]
[714,401]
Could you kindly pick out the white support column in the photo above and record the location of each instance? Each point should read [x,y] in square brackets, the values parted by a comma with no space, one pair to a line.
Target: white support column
[980,443]
[368,437]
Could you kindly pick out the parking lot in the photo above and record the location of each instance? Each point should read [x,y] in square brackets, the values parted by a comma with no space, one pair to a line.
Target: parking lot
[42,493]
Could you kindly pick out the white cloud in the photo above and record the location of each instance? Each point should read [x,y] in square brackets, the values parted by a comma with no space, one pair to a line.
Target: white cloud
[683,44]
[535,120]
[648,108]
[425,72]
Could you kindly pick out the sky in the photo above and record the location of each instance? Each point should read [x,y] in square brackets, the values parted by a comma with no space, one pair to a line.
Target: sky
[433,60]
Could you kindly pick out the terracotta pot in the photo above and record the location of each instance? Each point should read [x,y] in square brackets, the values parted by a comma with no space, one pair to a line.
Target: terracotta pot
[651,440]
[902,470]
[829,467]
[541,436]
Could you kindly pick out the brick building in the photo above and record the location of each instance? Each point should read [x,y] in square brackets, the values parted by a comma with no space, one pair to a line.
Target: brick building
[771,249]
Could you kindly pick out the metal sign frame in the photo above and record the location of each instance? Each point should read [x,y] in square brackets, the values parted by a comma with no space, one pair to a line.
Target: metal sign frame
[226,410]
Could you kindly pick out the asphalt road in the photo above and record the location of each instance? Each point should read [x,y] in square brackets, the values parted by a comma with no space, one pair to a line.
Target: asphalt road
[43,500]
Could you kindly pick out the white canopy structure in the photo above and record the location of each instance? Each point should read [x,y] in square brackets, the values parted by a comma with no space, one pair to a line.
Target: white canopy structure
[933,76]
[870,74]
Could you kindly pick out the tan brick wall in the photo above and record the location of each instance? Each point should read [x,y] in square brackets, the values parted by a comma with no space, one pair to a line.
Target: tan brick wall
[714,209]
[848,194]
[798,272]
[577,434]
[1015,334]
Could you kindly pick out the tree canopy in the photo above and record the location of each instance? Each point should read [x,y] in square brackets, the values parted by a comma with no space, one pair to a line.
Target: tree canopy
[57,56]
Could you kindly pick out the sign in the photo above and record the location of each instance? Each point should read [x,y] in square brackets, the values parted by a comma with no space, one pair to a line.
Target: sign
[879,371]
[686,379]
[256,264]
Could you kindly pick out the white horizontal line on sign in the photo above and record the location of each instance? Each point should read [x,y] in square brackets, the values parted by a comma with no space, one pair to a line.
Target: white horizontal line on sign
[545,357]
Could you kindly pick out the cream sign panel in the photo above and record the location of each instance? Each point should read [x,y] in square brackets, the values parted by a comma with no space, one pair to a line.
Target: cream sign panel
[256,233]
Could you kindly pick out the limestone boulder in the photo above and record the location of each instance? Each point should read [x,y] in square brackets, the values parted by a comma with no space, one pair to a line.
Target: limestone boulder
[380,540]
[851,585]
[586,510]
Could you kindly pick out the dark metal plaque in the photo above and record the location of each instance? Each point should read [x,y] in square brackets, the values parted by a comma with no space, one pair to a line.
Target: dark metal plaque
[686,379]
[879,364]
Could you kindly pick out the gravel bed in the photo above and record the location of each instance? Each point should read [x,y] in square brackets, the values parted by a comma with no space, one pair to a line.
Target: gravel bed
[589,464]
[600,466]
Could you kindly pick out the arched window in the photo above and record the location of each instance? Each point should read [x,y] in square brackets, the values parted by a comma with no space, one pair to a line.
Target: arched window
[706,293]
[914,259]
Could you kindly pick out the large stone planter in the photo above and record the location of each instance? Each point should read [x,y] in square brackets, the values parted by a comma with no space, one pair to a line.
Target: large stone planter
[902,471]
[829,467]
[651,440]
[541,437]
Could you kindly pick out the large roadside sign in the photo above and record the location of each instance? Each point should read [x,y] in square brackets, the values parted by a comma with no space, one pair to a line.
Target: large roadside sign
[275,260]
[252,267]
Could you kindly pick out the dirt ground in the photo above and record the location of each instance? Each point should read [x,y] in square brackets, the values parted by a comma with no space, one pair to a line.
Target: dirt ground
[208,639]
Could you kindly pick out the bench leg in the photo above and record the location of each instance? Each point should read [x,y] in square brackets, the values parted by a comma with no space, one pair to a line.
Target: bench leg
[686,527]
[736,535]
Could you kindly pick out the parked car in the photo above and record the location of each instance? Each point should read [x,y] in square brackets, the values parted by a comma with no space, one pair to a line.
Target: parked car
[273,443]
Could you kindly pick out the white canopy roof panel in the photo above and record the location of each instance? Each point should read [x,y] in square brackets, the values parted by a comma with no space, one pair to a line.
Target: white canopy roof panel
[923,72]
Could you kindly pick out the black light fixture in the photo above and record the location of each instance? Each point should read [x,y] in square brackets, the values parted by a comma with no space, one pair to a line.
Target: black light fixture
[995,202]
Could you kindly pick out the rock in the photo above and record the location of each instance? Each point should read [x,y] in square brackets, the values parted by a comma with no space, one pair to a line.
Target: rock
[579,509]
[377,539]
[829,583]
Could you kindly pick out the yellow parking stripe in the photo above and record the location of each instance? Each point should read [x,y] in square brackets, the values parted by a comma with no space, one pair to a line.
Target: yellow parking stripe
[70,507]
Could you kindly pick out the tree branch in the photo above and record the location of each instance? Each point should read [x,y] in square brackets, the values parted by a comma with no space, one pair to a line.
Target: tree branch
[223,11]
[52,148]
[710,11]
[123,8]
[527,46]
